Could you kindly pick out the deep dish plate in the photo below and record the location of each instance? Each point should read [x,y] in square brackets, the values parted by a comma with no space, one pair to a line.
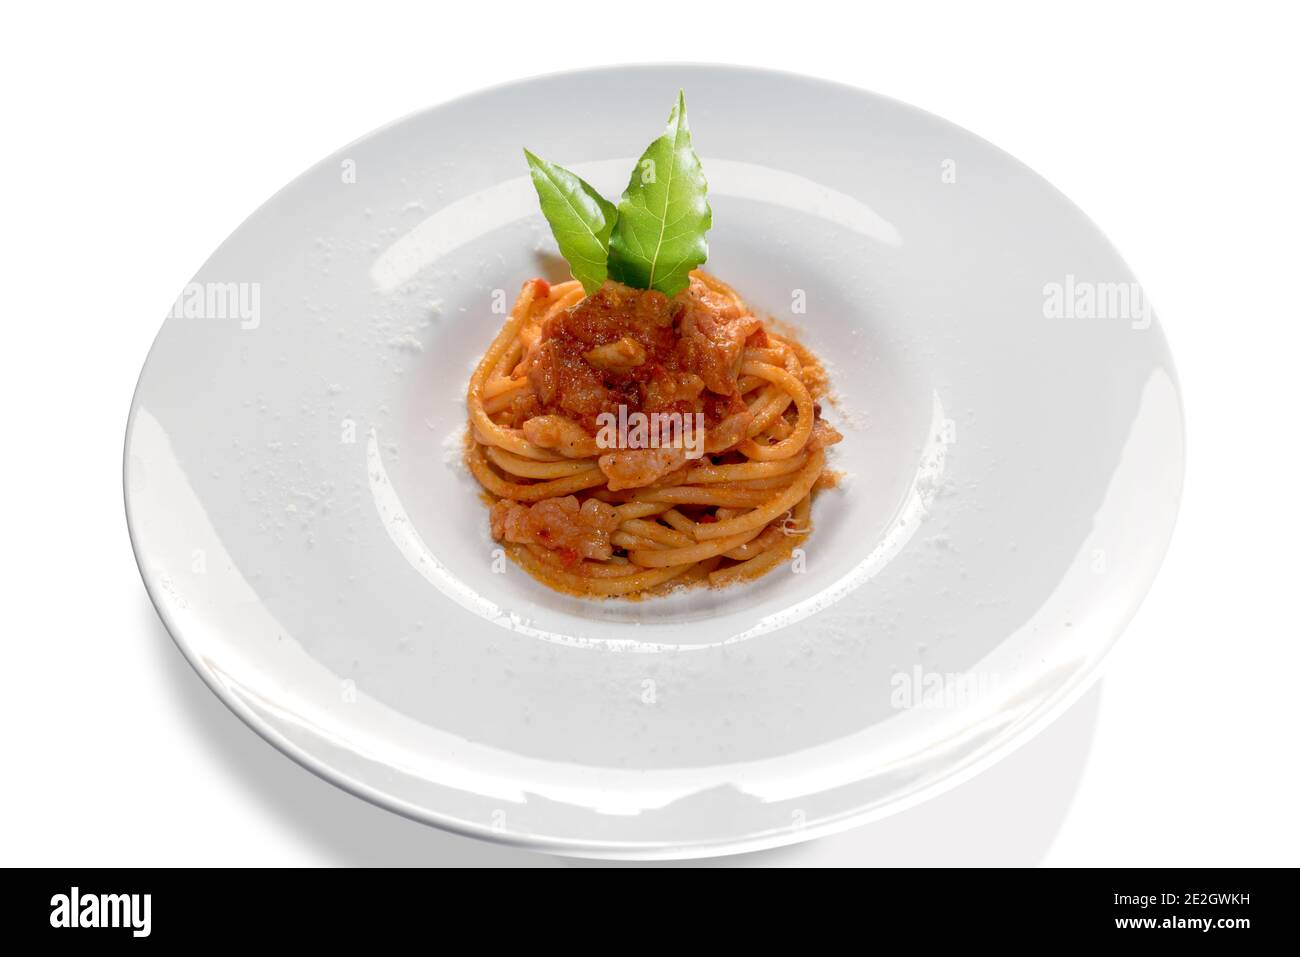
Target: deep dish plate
[1013,458]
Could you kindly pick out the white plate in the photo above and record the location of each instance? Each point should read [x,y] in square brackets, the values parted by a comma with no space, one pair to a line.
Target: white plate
[304,526]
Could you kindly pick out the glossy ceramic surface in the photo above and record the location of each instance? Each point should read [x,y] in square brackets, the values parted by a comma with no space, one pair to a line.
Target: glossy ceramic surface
[1012,463]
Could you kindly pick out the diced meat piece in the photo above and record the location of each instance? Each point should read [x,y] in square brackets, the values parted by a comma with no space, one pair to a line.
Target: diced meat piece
[670,388]
[713,333]
[635,350]
[634,468]
[729,433]
[614,311]
[560,434]
[593,357]
[621,355]
[560,377]
[558,524]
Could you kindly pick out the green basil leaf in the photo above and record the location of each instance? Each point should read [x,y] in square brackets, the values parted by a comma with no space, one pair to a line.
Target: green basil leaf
[581,220]
[663,216]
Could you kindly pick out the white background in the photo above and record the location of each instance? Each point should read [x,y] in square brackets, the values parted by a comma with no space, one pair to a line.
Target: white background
[137,138]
